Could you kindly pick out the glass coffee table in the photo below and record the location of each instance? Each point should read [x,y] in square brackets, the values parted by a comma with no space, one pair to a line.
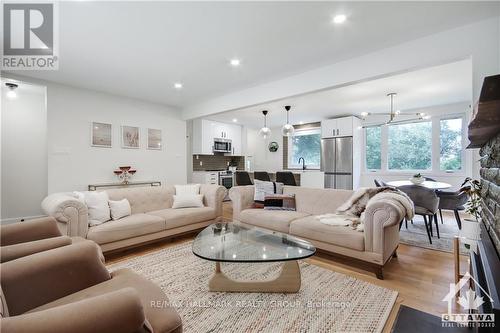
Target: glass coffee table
[231,242]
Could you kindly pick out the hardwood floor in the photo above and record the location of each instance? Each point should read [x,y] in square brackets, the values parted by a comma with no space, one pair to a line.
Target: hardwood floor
[421,276]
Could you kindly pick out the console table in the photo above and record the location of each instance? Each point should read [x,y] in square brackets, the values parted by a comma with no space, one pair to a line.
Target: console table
[94,187]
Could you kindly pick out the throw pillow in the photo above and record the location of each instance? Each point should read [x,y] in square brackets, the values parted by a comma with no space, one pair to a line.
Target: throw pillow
[185,201]
[280,202]
[263,188]
[190,189]
[97,207]
[119,209]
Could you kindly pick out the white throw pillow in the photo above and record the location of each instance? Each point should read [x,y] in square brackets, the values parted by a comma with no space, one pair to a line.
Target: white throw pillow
[119,209]
[190,189]
[263,188]
[185,201]
[80,196]
[97,206]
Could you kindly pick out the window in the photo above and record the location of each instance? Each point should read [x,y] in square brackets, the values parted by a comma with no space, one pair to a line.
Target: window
[450,150]
[305,143]
[410,146]
[373,152]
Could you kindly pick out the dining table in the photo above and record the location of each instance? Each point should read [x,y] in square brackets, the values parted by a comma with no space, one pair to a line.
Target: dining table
[428,183]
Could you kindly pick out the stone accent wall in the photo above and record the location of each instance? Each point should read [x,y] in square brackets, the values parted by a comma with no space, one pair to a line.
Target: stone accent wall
[490,180]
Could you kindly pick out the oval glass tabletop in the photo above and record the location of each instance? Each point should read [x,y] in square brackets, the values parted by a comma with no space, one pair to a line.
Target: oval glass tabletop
[230,242]
[428,183]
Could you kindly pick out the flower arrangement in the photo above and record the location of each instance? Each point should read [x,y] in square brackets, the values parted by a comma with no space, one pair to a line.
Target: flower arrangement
[125,173]
[417,179]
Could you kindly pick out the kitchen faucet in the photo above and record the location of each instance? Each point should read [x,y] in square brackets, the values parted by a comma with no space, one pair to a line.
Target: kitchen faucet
[303,163]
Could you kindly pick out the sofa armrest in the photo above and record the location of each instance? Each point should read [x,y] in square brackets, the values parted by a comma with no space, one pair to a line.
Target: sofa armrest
[27,231]
[15,251]
[381,230]
[70,213]
[242,198]
[117,311]
[31,281]
[213,195]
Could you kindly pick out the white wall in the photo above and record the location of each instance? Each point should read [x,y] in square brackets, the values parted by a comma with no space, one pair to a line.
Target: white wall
[479,42]
[70,163]
[73,163]
[24,152]
[257,147]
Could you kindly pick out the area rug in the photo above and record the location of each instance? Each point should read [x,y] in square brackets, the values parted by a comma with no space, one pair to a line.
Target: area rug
[327,301]
[416,235]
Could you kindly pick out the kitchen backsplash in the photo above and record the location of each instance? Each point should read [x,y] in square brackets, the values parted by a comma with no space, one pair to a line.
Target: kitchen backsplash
[215,162]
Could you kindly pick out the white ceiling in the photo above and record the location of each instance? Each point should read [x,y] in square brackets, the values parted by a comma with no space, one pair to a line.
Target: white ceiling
[438,85]
[139,49]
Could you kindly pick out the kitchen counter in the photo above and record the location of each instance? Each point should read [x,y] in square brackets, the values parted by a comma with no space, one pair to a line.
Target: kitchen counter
[305,178]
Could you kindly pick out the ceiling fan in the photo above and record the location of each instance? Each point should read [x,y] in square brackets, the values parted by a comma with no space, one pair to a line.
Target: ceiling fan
[393,114]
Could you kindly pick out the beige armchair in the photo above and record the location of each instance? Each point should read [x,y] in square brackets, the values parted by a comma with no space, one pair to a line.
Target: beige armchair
[87,299]
[25,238]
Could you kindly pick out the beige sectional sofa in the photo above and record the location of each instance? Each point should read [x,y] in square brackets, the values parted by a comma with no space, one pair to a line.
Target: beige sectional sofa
[370,249]
[152,215]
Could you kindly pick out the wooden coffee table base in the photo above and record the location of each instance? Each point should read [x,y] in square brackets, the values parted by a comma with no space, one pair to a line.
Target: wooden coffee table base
[287,282]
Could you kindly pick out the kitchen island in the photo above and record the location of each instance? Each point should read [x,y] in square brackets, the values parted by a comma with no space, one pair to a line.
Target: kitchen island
[304,178]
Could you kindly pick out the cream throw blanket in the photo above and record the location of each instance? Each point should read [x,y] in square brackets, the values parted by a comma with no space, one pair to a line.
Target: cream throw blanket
[351,213]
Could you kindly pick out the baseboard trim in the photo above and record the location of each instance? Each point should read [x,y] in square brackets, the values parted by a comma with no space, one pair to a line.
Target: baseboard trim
[11,220]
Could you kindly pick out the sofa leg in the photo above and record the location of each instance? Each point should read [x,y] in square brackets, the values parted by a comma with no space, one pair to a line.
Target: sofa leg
[395,254]
[378,273]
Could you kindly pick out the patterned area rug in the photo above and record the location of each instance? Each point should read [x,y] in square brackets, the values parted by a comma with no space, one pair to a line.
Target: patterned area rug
[417,236]
[327,302]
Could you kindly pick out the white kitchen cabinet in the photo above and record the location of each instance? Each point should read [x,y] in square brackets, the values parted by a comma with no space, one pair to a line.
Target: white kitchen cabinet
[344,126]
[205,131]
[205,177]
[234,134]
[328,128]
[332,128]
[202,137]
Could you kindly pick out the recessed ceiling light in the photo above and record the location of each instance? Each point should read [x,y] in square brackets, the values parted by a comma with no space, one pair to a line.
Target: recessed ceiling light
[301,122]
[235,120]
[364,114]
[338,19]
[12,90]
[178,85]
[235,62]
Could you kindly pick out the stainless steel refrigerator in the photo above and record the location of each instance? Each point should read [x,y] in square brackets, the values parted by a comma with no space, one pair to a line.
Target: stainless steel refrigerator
[336,162]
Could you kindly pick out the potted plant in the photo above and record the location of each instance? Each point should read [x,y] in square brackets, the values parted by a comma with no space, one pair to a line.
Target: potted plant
[417,179]
[473,189]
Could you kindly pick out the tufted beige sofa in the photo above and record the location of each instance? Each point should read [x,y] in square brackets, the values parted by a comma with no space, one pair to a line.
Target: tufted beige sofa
[370,249]
[152,215]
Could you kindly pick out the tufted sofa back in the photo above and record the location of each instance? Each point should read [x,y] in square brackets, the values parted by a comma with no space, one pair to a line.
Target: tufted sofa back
[145,199]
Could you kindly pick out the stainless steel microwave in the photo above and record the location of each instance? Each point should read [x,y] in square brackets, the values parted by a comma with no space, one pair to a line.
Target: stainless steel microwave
[222,145]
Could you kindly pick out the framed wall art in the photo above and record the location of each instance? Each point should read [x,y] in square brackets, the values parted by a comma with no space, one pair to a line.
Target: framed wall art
[101,135]
[154,139]
[130,137]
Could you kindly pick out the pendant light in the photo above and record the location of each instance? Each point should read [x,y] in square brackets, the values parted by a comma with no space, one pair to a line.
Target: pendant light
[287,129]
[265,131]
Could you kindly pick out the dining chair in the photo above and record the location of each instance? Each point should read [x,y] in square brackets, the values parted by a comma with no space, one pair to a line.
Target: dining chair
[262,175]
[243,178]
[286,177]
[380,183]
[426,204]
[453,200]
